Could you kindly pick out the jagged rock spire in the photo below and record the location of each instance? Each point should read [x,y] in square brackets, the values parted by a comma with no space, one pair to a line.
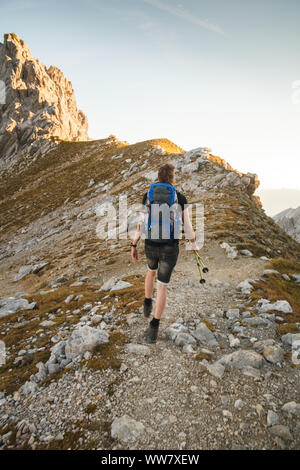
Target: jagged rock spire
[40,104]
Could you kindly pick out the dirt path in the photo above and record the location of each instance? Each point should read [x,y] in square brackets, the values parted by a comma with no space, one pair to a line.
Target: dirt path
[165,388]
[179,402]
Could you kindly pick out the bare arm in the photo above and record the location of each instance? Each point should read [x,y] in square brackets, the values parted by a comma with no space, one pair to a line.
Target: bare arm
[188,229]
[137,236]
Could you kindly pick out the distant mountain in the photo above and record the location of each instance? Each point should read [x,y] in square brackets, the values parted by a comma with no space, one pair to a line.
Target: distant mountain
[289,221]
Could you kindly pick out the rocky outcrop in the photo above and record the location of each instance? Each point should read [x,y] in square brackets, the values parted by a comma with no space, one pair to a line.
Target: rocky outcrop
[39,104]
[289,221]
[84,339]
[235,178]
[126,429]
[225,176]
[11,305]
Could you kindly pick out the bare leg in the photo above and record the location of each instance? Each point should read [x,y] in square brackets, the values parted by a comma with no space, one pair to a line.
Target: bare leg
[161,299]
[149,284]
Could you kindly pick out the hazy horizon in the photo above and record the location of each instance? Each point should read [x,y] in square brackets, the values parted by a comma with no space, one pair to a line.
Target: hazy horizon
[277,200]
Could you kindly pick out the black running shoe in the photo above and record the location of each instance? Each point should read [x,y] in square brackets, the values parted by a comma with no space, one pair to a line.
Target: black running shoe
[151,333]
[147,308]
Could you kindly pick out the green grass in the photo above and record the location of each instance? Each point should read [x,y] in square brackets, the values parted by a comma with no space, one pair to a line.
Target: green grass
[106,355]
[238,220]
[285,266]
[274,287]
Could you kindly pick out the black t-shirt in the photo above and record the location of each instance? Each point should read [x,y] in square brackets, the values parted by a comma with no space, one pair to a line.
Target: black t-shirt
[182,201]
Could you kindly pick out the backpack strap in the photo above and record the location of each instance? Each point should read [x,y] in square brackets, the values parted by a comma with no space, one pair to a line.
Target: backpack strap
[175,196]
[150,193]
[148,207]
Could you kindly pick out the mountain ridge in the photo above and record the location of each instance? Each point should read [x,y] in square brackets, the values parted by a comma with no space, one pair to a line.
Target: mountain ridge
[59,193]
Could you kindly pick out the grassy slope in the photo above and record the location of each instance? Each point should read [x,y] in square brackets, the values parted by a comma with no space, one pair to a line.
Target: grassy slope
[274,287]
[64,174]
[19,328]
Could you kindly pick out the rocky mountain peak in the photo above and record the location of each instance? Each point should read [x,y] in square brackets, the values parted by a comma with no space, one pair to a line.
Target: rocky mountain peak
[289,221]
[40,106]
[16,48]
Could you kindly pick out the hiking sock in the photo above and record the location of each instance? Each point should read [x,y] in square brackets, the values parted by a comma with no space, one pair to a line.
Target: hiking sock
[147,307]
[155,322]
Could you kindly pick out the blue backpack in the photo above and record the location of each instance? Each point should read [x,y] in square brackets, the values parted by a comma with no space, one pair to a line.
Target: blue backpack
[163,221]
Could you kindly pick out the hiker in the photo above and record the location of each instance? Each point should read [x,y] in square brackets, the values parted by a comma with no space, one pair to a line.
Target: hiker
[161,241]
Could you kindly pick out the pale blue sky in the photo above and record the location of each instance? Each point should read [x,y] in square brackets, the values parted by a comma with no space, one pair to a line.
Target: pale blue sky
[216,74]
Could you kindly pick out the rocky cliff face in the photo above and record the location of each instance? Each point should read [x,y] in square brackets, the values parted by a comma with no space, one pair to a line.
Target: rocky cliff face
[289,221]
[40,105]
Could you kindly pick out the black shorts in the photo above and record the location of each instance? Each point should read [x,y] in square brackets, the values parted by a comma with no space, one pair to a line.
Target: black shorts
[162,258]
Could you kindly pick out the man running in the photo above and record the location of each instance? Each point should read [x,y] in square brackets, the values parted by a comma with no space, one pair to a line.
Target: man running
[161,250]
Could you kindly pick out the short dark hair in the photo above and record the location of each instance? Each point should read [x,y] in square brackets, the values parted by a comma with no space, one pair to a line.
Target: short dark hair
[166,173]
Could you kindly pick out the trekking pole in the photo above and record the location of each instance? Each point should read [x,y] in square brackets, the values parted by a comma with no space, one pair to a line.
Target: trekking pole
[201,267]
[200,260]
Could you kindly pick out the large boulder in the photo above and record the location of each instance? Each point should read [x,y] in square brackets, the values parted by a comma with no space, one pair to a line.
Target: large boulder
[139,349]
[113,284]
[230,251]
[201,153]
[29,269]
[174,329]
[257,321]
[296,277]
[281,306]
[108,284]
[233,314]
[274,354]
[126,429]
[12,305]
[216,369]
[241,359]
[121,285]
[291,339]
[259,346]
[183,339]
[58,350]
[205,336]
[29,388]
[245,287]
[84,339]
